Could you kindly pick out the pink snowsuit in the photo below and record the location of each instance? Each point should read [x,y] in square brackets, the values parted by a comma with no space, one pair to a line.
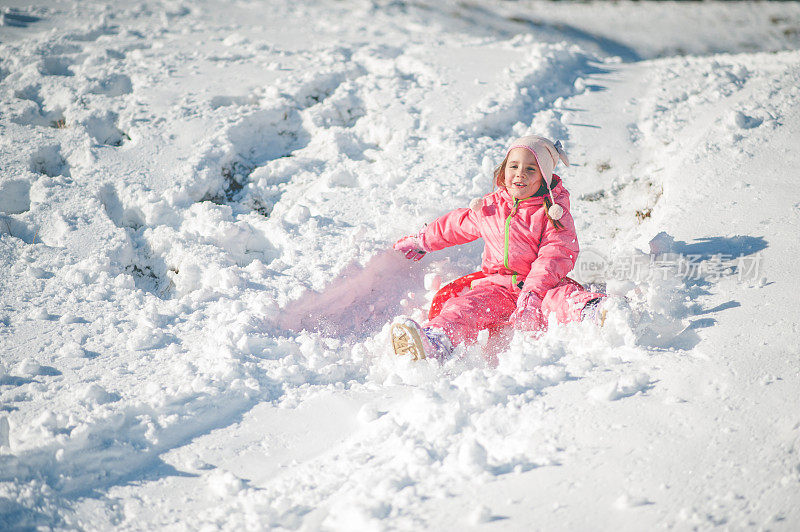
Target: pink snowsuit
[523,252]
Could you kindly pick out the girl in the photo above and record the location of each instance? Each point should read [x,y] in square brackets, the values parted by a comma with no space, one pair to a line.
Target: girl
[530,246]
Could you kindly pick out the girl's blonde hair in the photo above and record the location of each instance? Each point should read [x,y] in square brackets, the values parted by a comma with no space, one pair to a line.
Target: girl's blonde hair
[500,182]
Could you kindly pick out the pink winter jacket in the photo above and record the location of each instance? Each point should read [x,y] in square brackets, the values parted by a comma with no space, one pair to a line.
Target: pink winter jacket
[520,242]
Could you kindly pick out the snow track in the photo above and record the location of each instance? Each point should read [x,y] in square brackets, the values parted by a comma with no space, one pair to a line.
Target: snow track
[195,206]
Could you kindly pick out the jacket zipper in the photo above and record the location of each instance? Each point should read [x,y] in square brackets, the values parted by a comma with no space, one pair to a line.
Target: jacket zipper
[507,240]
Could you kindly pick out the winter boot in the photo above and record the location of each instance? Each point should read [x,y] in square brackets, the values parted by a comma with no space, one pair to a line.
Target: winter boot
[410,338]
[600,309]
[593,311]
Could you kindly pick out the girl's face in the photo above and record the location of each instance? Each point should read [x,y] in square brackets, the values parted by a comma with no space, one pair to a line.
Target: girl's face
[523,177]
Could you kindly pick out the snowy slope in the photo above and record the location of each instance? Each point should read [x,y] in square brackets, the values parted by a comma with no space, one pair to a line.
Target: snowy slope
[196,201]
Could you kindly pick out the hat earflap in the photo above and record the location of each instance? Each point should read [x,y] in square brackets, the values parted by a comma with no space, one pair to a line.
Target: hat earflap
[555,211]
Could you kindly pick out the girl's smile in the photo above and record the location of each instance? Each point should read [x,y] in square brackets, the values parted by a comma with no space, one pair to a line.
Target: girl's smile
[522,175]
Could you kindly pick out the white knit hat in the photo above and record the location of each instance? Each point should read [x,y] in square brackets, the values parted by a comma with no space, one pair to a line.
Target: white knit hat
[547,156]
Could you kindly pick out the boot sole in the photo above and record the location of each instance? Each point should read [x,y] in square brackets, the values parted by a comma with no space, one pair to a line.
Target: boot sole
[406,341]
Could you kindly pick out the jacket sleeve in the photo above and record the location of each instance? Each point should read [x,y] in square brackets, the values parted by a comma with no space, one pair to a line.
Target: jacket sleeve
[558,252]
[456,227]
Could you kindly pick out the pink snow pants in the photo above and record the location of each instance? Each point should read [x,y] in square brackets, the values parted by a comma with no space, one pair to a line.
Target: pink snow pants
[489,305]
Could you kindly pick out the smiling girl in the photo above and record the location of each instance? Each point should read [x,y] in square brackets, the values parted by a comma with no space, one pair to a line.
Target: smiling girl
[530,246]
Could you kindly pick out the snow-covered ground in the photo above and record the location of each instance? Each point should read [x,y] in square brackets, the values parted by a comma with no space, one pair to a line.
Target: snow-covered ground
[196,205]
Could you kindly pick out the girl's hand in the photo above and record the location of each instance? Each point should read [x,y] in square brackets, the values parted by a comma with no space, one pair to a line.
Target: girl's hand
[411,246]
[528,316]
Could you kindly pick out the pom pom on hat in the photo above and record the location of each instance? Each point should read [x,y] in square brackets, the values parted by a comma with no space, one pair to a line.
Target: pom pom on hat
[555,211]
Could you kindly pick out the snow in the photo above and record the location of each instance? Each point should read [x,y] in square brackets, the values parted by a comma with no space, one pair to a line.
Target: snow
[197,201]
